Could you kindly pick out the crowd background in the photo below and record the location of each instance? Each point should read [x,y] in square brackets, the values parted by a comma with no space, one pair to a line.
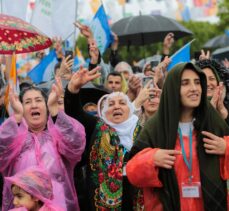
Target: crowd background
[113,97]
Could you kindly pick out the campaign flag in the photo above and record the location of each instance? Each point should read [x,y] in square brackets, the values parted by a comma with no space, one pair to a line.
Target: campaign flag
[182,55]
[101,30]
[44,71]
[78,60]
[15,8]
[94,5]
[122,2]
[12,84]
[51,18]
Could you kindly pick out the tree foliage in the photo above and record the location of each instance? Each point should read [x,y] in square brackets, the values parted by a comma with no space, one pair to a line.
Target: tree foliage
[223,14]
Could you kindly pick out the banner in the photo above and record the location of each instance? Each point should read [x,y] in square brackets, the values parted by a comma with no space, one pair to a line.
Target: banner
[17,8]
[55,17]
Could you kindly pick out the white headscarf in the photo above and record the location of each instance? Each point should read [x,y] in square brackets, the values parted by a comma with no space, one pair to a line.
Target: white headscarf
[125,130]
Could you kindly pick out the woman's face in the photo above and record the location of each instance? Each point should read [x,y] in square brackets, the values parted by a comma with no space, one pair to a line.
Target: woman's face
[211,81]
[118,110]
[190,90]
[35,110]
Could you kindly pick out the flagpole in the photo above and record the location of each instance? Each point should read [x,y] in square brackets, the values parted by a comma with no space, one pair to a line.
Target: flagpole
[1,6]
[31,18]
[76,15]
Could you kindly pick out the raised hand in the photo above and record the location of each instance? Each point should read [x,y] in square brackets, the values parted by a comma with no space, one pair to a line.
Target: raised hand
[84,30]
[204,55]
[145,93]
[65,71]
[134,86]
[215,97]
[167,43]
[165,158]
[81,77]
[16,105]
[220,104]
[214,144]
[114,45]
[226,63]
[55,94]
[161,71]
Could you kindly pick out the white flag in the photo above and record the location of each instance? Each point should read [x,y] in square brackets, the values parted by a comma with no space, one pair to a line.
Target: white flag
[17,8]
[42,16]
[55,17]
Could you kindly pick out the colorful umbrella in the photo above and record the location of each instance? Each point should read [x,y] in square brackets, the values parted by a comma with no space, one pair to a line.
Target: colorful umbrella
[18,36]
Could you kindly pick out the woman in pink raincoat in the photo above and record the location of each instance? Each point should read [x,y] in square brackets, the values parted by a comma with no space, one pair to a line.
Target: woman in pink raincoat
[32,190]
[31,137]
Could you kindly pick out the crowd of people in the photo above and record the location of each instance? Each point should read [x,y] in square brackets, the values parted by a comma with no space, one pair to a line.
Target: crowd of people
[150,140]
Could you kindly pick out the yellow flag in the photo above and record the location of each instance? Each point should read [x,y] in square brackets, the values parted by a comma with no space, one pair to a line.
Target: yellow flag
[12,82]
[95,4]
[122,2]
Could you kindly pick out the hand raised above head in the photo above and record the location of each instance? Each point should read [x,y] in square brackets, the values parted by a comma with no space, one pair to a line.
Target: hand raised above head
[226,63]
[81,77]
[16,105]
[134,83]
[204,55]
[66,65]
[56,92]
[168,40]
[84,30]
[114,45]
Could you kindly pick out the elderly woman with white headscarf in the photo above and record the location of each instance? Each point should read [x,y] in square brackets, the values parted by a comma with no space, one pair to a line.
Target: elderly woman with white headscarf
[109,140]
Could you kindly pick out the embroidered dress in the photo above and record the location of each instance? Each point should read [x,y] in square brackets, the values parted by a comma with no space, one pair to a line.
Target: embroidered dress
[106,167]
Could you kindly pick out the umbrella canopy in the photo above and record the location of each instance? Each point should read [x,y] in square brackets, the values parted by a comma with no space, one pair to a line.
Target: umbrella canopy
[142,62]
[19,36]
[221,53]
[218,41]
[147,29]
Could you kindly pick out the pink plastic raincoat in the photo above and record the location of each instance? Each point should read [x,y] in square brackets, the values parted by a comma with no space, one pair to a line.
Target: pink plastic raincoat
[37,183]
[57,149]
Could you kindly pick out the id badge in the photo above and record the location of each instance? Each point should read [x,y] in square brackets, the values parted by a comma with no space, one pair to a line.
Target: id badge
[124,170]
[191,190]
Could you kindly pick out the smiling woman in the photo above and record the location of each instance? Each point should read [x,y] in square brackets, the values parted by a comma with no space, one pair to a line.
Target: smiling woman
[41,134]
[216,85]
[185,164]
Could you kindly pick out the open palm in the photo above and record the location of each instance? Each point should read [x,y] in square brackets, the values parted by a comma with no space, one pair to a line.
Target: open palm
[81,77]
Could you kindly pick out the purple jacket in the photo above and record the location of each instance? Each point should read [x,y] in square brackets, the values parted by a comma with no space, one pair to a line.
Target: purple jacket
[57,149]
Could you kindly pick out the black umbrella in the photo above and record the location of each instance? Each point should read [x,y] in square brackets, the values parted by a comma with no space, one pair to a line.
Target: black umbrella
[221,53]
[147,29]
[218,41]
